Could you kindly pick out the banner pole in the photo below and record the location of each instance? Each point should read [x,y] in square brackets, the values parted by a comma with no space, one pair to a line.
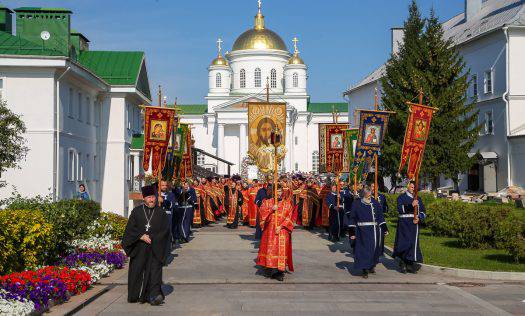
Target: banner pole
[376,193]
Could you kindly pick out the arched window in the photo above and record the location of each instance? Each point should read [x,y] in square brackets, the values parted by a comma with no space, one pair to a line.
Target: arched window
[315,161]
[295,80]
[257,77]
[218,81]
[273,78]
[243,78]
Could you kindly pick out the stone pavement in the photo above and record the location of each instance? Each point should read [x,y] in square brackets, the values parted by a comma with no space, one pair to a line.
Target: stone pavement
[215,274]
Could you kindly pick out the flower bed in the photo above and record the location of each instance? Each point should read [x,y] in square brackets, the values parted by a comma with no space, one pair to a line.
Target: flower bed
[35,291]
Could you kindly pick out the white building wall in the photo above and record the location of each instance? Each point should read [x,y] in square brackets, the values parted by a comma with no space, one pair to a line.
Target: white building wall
[39,132]
[362,98]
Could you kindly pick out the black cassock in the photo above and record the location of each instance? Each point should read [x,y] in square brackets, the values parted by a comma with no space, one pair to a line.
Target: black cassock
[146,261]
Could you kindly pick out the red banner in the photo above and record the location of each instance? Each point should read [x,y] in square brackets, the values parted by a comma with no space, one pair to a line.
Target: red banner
[333,156]
[416,134]
[158,124]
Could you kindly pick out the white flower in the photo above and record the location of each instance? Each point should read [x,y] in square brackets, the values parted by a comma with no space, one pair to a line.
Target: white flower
[20,307]
[97,270]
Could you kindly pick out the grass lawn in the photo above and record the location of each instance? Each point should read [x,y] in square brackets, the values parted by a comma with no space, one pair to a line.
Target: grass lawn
[445,252]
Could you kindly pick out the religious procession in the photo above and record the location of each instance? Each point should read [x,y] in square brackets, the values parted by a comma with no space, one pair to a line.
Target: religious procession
[340,201]
[195,173]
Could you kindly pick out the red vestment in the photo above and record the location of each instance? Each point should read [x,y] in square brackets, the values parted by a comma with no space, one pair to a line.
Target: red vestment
[244,207]
[275,250]
[252,207]
[323,220]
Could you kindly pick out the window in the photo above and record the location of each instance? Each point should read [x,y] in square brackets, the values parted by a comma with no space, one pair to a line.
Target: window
[474,85]
[80,168]
[97,113]
[296,140]
[315,161]
[488,81]
[218,81]
[200,159]
[128,115]
[242,78]
[71,165]
[295,80]
[88,110]
[95,168]
[88,170]
[79,107]
[71,105]
[257,78]
[273,78]
[1,88]
[488,125]
[296,166]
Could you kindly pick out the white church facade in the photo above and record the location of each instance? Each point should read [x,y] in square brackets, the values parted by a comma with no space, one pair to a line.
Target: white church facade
[259,62]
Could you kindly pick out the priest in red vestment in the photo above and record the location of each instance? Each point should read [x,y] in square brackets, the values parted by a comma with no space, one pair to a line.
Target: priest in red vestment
[275,250]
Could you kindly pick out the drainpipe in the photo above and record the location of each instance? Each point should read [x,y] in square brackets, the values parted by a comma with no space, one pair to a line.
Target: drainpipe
[507,106]
[56,165]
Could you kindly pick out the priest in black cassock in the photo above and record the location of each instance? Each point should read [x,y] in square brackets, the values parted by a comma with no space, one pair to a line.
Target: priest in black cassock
[145,241]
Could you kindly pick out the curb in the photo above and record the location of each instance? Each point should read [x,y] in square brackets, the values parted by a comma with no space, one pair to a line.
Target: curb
[466,273]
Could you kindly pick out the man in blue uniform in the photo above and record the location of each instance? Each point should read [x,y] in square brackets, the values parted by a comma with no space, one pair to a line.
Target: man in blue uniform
[381,199]
[406,246]
[335,206]
[186,198]
[367,227]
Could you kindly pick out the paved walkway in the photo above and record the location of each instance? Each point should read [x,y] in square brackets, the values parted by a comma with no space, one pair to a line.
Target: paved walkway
[214,274]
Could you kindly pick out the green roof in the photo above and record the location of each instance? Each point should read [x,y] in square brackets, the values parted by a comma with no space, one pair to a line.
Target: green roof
[41,9]
[116,68]
[327,107]
[137,141]
[193,109]
[14,45]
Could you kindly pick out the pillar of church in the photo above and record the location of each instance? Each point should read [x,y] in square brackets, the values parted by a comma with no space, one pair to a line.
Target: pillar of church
[242,143]
[289,149]
[220,147]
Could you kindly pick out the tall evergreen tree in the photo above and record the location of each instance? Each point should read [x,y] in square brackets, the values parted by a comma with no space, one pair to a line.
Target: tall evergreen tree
[400,84]
[453,131]
[429,62]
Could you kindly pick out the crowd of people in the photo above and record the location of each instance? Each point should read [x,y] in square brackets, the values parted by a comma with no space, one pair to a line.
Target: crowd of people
[273,209]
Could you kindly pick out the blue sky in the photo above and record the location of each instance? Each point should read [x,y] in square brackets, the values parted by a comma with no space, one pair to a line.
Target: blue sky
[341,41]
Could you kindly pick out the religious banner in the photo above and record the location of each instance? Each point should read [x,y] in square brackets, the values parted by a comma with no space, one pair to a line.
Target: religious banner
[158,124]
[174,152]
[372,129]
[186,165]
[416,134]
[351,144]
[263,119]
[333,152]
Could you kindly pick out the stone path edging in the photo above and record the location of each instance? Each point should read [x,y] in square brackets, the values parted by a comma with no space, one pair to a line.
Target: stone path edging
[467,273]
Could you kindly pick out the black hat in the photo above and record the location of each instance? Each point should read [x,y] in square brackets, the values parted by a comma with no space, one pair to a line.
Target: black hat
[236,178]
[147,190]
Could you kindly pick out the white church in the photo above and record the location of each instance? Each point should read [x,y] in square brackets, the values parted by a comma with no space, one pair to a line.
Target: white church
[259,58]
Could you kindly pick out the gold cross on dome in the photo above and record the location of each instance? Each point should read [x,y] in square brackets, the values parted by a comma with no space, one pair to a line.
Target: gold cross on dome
[295,41]
[259,2]
[219,42]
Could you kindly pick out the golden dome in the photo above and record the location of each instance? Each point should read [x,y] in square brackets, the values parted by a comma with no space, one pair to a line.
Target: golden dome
[219,61]
[259,37]
[295,59]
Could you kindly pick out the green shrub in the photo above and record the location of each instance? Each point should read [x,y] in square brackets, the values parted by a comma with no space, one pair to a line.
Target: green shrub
[26,240]
[444,217]
[509,236]
[109,223]
[70,220]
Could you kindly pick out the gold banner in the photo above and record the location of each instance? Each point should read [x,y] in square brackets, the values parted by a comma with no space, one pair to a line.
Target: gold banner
[263,118]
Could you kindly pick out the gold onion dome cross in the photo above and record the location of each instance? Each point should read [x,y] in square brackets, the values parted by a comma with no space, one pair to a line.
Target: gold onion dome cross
[295,59]
[219,61]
